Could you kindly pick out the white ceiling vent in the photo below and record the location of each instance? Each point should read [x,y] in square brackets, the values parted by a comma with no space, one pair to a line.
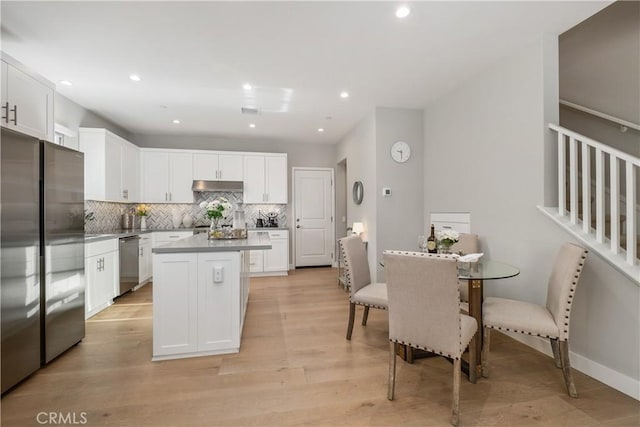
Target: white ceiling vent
[250,110]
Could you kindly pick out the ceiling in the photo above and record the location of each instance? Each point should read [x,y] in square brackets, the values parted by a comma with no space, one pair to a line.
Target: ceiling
[194,57]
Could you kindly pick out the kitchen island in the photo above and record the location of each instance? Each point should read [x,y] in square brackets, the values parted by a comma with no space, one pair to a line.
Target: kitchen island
[200,294]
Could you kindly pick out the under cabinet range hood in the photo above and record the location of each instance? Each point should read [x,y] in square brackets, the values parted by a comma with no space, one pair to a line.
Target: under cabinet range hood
[230,186]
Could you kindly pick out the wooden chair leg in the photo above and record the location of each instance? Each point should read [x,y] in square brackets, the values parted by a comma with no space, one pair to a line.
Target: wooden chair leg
[365,316]
[455,407]
[473,359]
[566,368]
[486,338]
[409,351]
[392,370]
[352,316]
[556,352]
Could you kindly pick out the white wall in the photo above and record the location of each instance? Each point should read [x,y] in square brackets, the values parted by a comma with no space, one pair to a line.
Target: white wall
[485,153]
[399,217]
[359,148]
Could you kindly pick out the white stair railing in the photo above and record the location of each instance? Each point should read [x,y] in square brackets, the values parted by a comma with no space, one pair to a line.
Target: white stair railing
[580,167]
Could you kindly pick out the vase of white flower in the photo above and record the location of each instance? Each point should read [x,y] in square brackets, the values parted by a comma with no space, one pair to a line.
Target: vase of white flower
[446,238]
[142,211]
[216,210]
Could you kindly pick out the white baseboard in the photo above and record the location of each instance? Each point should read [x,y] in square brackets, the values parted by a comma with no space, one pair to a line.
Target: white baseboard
[614,379]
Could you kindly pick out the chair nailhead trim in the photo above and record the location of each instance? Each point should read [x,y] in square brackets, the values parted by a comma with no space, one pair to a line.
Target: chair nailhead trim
[520,332]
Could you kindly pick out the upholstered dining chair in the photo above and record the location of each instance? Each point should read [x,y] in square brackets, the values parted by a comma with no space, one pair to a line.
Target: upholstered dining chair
[358,279]
[424,313]
[467,243]
[550,321]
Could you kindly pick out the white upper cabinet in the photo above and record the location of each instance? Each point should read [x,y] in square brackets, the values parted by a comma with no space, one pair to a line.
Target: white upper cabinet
[265,178]
[217,167]
[167,177]
[27,102]
[111,166]
[130,172]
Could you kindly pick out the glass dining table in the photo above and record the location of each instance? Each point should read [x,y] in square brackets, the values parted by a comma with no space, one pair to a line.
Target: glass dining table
[475,273]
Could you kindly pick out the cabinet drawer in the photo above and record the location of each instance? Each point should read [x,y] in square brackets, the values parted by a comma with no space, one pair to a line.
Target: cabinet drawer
[281,234]
[256,261]
[102,247]
[163,237]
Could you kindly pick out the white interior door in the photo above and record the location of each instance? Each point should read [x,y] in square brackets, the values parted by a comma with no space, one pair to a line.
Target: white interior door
[313,217]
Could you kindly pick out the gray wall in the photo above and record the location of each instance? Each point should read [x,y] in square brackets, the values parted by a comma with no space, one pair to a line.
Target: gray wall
[298,155]
[399,217]
[600,69]
[390,222]
[73,116]
[359,148]
[494,129]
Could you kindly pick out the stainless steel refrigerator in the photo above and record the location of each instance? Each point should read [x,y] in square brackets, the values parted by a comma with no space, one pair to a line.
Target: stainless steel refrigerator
[42,253]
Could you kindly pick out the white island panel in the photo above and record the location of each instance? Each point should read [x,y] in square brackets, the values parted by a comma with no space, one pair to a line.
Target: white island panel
[175,304]
[219,301]
[200,295]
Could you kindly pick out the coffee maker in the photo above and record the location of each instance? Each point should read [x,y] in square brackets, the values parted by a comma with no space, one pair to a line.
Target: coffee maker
[272,220]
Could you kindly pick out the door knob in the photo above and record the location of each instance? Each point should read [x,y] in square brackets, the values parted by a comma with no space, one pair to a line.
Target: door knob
[298,219]
[297,226]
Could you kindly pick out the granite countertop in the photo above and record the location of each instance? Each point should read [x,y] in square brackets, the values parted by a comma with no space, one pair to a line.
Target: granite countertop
[200,243]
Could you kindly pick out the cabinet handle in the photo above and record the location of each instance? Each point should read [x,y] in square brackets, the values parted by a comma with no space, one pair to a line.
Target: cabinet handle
[170,196]
[125,194]
[15,114]
[220,173]
[6,111]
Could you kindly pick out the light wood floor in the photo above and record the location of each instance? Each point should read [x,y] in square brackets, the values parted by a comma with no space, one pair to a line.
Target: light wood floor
[295,367]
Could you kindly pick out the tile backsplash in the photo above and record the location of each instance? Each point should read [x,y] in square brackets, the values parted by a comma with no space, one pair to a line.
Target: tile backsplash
[107,215]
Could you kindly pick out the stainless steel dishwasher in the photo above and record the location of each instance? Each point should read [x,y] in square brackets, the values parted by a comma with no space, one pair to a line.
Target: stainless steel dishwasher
[129,263]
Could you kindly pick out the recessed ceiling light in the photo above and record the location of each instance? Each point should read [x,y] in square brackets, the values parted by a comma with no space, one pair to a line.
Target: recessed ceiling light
[403,12]
[163,106]
[320,130]
[344,94]
[247,86]
[135,77]
[66,83]
[252,125]
[176,121]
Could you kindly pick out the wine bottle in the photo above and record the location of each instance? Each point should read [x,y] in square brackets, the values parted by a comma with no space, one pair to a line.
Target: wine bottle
[431,241]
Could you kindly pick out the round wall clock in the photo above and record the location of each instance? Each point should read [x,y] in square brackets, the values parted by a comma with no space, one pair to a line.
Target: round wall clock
[400,151]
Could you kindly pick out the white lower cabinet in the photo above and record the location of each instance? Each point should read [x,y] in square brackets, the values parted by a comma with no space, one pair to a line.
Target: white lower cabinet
[199,301]
[274,261]
[145,266]
[102,275]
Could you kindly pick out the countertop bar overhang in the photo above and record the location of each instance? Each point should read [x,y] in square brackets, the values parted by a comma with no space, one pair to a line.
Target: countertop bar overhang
[200,243]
